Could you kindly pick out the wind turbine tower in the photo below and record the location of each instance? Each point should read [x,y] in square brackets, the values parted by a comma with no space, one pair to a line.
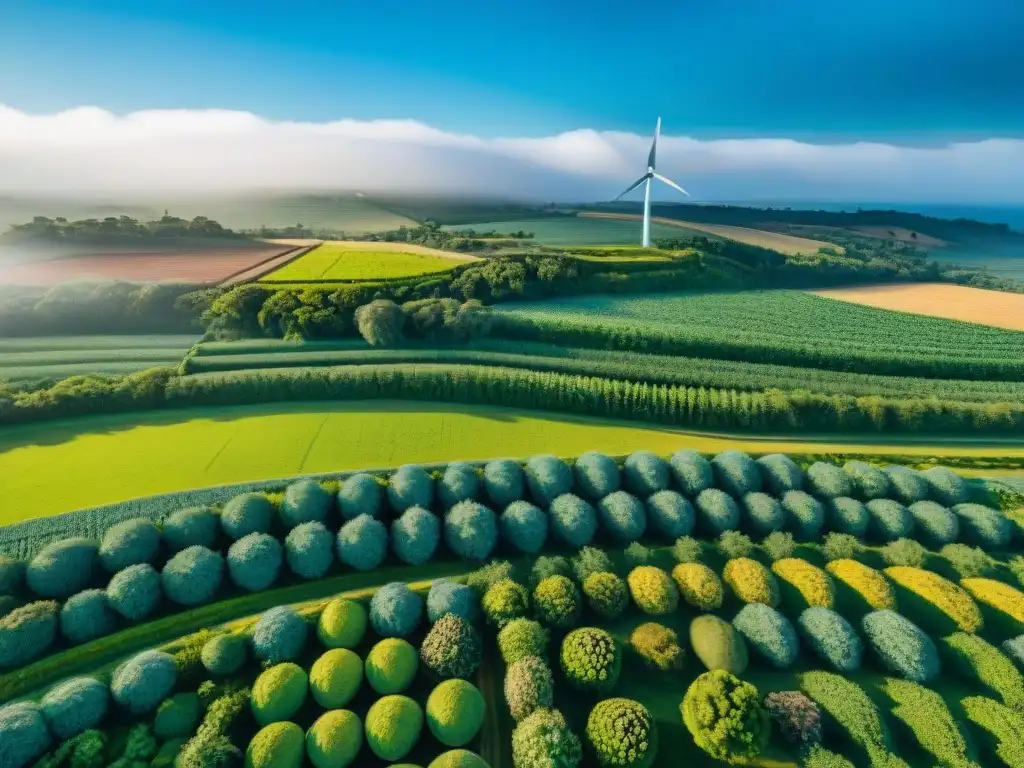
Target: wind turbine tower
[646,181]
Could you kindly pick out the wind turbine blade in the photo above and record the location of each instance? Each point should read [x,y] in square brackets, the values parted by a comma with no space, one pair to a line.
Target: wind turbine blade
[633,186]
[654,145]
[671,183]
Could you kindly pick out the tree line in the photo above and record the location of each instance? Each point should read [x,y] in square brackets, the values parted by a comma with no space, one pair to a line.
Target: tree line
[118,229]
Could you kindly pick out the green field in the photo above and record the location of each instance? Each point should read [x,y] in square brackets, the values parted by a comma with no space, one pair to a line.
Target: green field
[106,459]
[337,261]
[54,357]
[570,230]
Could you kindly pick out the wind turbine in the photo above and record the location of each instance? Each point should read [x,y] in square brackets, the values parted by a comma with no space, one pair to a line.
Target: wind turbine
[646,181]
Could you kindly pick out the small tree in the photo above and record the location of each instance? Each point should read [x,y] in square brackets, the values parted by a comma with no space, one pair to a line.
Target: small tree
[381,323]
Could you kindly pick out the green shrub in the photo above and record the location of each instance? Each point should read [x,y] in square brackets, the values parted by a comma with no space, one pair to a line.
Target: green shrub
[889,521]
[596,474]
[969,562]
[128,543]
[670,515]
[456,758]
[458,483]
[278,693]
[193,576]
[504,482]
[686,549]
[549,565]
[194,526]
[751,582]
[734,544]
[979,525]
[452,648]
[278,745]
[827,481]
[636,554]
[63,568]
[718,645]
[520,638]
[693,473]
[254,561]
[74,706]
[762,514]
[85,617]
[724,716]
[362,543]
[309,550]
[12,575]
[805,515]
[223,655]
[644,473]
[946,486]
[717,512]
[410,486]
[529,685]
[797,717]
[606,594]
[335,739]
[1014,649]
[803,585]
[779,545]
[446,596]
[622,516]
[391,665]
[590,560]
[901,646]
[557,602]
[23,734]
[736,473]
[658,646]
[548,477]
[819,757]
[868,482]
[832,638]
[142,682]
[393,726]
[471,530]
[861,588]
[395,610]
[342,624]
[486,576]
[622,732]
[177,716]
[246,513]
[335,678]
[926,716]
[504,601]
[934,602]
[415,536]
[524,526]
[135,592]
[934,524]
[699,586]
[978,661]
[846,515]
[652,590]
[543,740]
[279,635]
[455,712]
[360,494]
[779,473]
[305,502]
[591,660]
[573,521]
[906,485]
[1004,727]
[904,552]
[841,546]
[769,633]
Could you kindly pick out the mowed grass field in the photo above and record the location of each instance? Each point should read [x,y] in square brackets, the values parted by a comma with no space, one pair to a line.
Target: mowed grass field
[356,260]
[62,466]
[956,302]
[574,230]
[23,359]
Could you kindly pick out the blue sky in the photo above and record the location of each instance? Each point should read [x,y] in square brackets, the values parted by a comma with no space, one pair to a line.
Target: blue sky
[901,71]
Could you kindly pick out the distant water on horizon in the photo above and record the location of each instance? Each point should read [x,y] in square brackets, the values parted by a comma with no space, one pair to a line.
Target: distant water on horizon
[993,214]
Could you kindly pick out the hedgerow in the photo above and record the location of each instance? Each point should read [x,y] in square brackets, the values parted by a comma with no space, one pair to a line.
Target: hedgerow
[452,648]
[652,590]
[224,655]
[529,685]
[548,477]
[868,482]
[391,665]
[86,616]
[557,602]
[504,482]
[520,638]
[718,645]
[946,486]
[717,512]
[1004,604]
[362,543]
[524,526]
[573,521]
[23,734]
[796,716]
[334,739]
[254,561]
[360,494]
[762,514]
[128,543]
[1003,725]
[410,486]
[780,473]
[177,716]
[395,610]
[446,596]
[725,717]
[751,582]
[455,712]
[832,638]
[63,568]
[846,515]
[194,526]
[504,601]
[458,483]
[193,576]
[135,592]
[335,678]
[415,536]
[736,473]
[769,633]
[805,515]
[889,521]
[929,719]
[606,594]
[74,706]
[978,661]
[983,526]
[906,484]
[278,745]
[670,515]
[309,550]
[246,513]
[591,660]
[933,601]
[658,646]
[543,740]
[279,635]
[622,516]
[393,726]
[644,473]
[596,474]
[934,525]
[622,733]
[142,682]
[827,481]
[804,585]
[699,586]
[901,646]
[693,473]
[342,624]
[866,588]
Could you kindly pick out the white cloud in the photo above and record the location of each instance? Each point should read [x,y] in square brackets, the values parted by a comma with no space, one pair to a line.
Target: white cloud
[89,151]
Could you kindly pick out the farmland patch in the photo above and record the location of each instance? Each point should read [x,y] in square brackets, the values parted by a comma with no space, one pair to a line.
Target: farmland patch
[357,260]
[56,357]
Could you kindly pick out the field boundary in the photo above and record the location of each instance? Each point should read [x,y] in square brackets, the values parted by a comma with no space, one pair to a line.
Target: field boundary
[286,256]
